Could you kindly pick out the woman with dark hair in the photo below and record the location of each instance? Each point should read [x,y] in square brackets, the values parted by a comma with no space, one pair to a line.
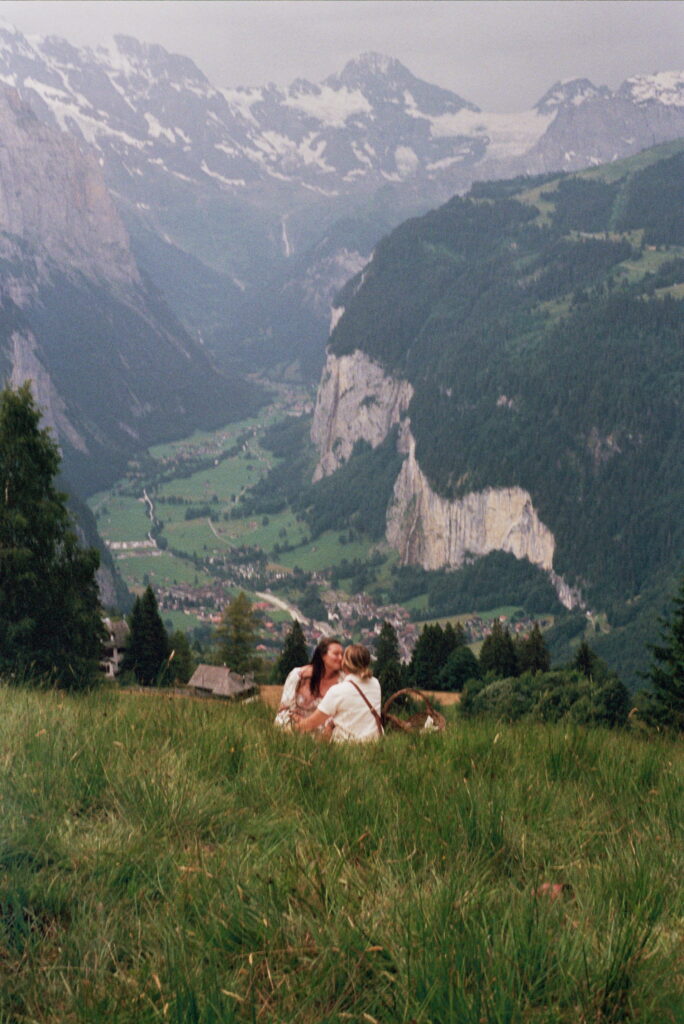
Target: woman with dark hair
[305,687]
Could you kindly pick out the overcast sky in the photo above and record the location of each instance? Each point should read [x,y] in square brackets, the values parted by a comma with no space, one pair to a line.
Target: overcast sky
[501,55]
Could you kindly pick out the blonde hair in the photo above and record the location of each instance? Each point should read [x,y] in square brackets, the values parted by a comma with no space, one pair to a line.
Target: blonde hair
[357,659]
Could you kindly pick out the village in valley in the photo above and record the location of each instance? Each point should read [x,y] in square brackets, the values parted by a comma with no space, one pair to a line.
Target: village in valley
[175,523]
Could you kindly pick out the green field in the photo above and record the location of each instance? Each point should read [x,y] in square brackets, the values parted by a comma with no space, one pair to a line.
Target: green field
[161,568]
[324,552]
[121,518]
[177,860]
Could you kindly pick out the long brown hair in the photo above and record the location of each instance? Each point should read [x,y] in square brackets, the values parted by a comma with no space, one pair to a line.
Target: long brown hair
[318,665]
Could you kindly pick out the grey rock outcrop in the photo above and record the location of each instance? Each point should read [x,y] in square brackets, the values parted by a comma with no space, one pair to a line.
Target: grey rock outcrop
[357,400]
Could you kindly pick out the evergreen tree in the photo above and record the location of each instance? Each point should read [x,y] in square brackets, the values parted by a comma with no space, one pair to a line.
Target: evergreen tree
[432,650]
[666,675]
[184,663]
[148,645]
[393,677]
[532,652]
[585,660]
[388,667]
[294,652]
[386,648]
[498,653]
[236,635]
[50,618]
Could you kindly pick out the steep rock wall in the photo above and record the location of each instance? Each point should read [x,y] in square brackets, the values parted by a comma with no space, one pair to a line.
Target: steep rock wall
[356,401]
[53,196]
[433,531]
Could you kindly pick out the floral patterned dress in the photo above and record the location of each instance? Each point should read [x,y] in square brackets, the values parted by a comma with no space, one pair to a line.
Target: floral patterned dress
[296,701]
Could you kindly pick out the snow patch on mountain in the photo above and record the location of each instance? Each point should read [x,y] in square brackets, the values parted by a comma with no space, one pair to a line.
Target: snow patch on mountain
[406,160]
[156,130]
[507,135]
[332,107]
[666,87]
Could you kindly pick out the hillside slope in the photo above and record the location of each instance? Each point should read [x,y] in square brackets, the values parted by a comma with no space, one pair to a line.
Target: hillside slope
[528,341]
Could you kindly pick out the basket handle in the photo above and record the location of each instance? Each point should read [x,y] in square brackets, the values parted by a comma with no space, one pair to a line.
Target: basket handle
[408,689]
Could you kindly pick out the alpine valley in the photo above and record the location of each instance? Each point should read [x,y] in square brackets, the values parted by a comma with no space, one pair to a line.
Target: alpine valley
[503,382]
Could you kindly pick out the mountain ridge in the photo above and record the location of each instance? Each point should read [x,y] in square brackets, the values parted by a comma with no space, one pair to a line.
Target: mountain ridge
[248,180]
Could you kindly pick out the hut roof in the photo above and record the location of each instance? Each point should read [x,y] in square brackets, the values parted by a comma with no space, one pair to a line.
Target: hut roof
[221,682]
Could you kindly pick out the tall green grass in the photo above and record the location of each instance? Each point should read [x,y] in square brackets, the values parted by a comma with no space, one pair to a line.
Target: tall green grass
[172,860]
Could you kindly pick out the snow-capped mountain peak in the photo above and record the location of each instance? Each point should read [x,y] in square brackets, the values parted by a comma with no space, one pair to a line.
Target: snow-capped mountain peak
[571,92]
[666,87]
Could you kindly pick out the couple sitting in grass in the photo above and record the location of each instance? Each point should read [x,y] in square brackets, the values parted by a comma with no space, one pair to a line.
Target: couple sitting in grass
[336,696]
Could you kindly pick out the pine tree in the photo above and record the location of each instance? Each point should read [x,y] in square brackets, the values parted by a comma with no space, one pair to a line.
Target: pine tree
[148,644]
[431,652]
[388,667]
[666,675]
[386,648]
[585,660]
[236,635]
[294,652]
[498,653]
[183,664]
[532,652]
[50,617]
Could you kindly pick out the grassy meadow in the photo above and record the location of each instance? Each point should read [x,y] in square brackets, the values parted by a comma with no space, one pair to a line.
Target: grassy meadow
[175,860]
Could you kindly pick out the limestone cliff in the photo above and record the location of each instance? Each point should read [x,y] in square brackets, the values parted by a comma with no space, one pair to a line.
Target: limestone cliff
[356,401]
[432,531]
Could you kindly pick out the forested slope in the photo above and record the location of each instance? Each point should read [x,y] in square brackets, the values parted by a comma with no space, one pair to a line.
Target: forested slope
[540,323]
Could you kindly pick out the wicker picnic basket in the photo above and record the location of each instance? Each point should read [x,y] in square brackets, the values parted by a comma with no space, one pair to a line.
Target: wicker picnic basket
[428,718]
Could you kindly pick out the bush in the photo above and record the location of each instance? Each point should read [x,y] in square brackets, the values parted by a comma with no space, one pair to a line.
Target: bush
[549,697]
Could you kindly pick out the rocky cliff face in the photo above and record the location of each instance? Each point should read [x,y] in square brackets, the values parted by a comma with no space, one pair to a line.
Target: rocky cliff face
[53,197]
[432,531]
[357,400]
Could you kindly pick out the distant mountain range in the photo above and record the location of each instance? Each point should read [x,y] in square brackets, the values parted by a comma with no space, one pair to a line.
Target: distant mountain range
[270,198]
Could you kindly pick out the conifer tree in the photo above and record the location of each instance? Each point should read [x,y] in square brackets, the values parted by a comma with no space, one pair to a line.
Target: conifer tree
[498,653]
[532,652]
[585,660]
[388,667]
[148,645]
[183,664]
[294,652]
[666,675]
[431,653]
[236,635]
[386,648]
[50,618]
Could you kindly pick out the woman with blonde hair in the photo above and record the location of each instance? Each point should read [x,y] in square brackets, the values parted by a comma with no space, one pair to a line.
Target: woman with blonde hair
[353,705]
